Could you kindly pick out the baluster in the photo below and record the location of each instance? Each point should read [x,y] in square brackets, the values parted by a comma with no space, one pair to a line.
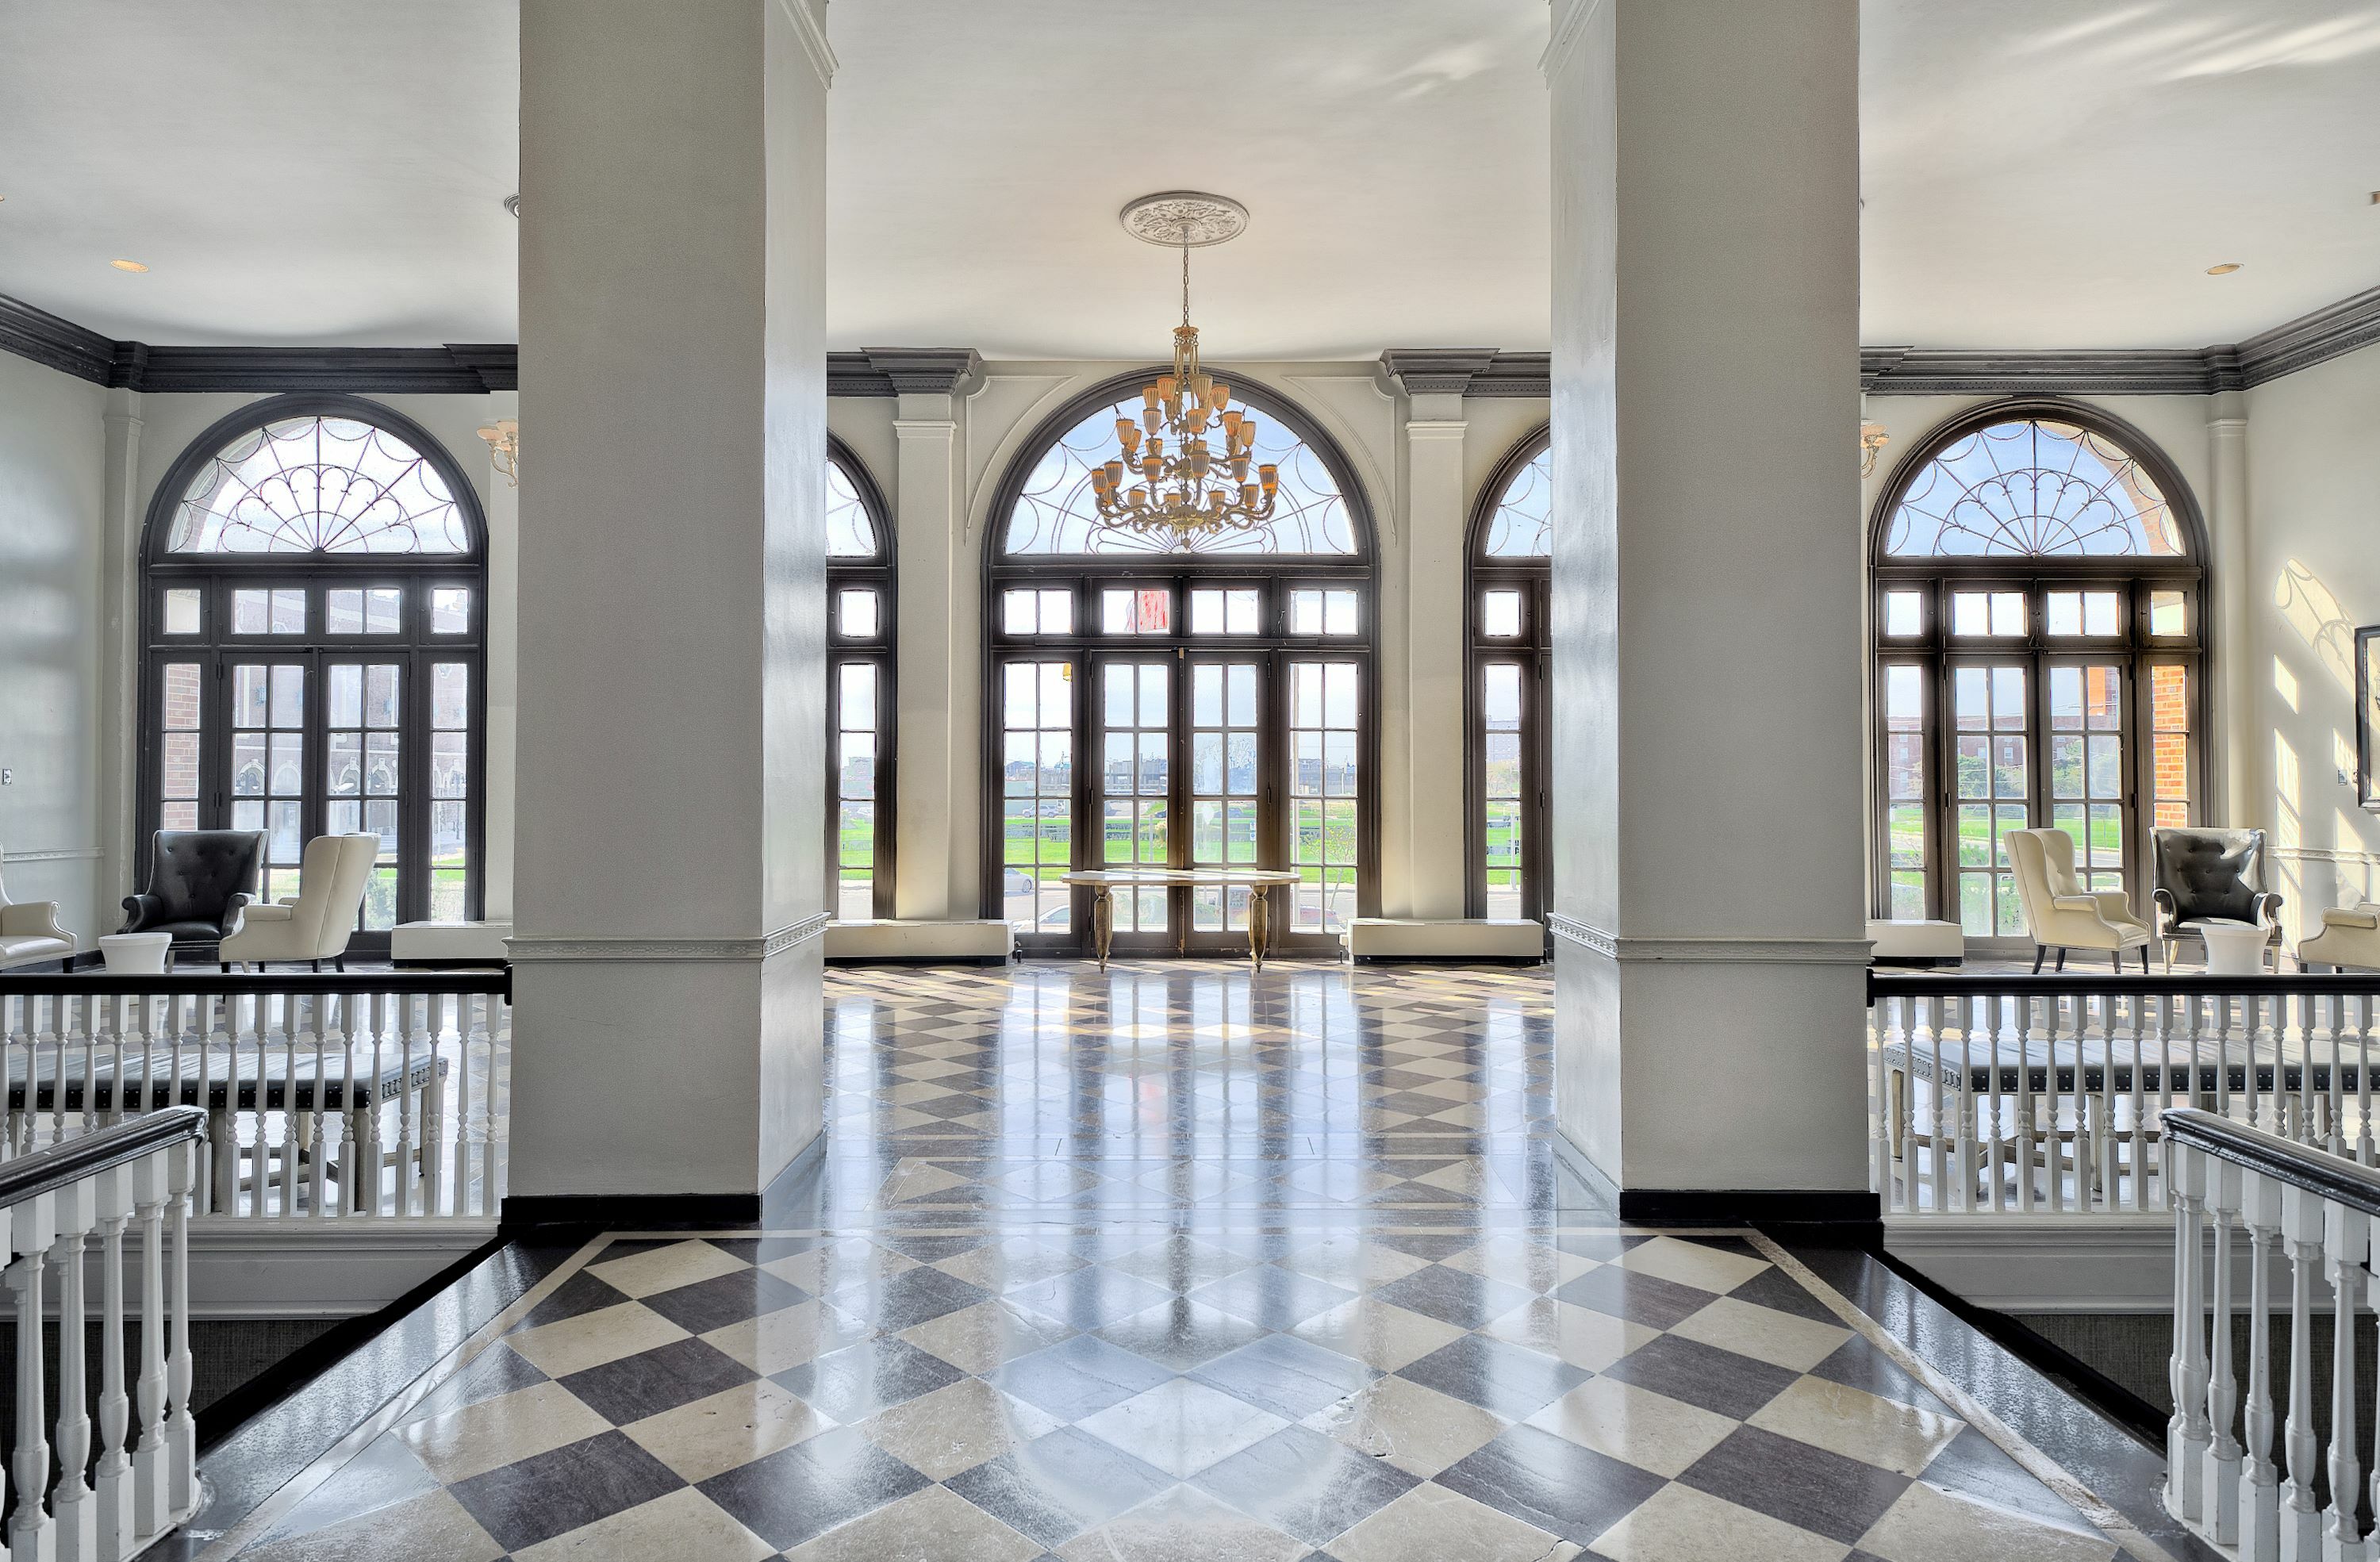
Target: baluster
[152,1496]
[2108,1144]
[2260,1518]
[12,1031]
[181,1427]
[1949,1015]
[33,1226]
[2028,1124]
[2346,1245]
[467,1012]
[1994,1176]
[1962,1111]
[223,1124]
[49,1046]
[331,1024]
[2301,1238]
[71,1506]
[1879,1149]
[376,1152]
[433,1111]
[2334,1138]
[2251,1019]
[2185,1435]
[499,1099]
[2220,1491]
[2139,1190]
[2362,1013]
[111,1498]
[293,1141]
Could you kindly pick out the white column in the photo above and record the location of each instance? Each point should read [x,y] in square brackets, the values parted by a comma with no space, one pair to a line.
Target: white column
[668,879]
[119,651]
[1708,658]
[1434,652]
[935,874]
[2233,702]
[504,685]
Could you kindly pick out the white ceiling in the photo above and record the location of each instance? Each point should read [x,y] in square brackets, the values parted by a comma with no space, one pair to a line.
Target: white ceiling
[2037,172]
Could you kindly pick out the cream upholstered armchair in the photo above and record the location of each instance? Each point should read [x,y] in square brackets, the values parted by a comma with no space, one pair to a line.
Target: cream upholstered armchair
[316,923]
[2060,912]
[30,930]
[2350,937]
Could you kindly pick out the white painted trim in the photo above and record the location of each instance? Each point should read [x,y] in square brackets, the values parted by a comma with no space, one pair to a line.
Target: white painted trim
[54,855]
[1727,949]
[1570,19]
[308,1268]
[813,32]
[611,948]
[2327,854]
[2044,1262]
[1435,429]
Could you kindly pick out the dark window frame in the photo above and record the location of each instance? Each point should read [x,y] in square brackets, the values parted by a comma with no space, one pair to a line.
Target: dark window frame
[1273,647]
[1532,650]
[878,650]
[1937,652]
[215,647]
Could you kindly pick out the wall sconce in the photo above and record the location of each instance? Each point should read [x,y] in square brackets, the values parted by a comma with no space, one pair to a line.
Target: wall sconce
[504,448]
[1873,438]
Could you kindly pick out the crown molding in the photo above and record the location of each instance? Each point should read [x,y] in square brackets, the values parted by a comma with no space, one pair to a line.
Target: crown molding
[2315,337]
[467,367]
[1570,19]
[1468,371]
[813,32]
[895,371]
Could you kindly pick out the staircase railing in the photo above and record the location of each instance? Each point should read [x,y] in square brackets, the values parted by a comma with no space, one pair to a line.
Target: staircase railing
[358,1096]
[2013,1093]
[2312,1212]
[109,1506]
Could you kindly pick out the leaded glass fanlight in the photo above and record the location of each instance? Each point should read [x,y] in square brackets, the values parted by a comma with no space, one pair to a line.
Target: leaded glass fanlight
[1521,526]
[850,530]
[318,485]
[2033,487]
[1056,511]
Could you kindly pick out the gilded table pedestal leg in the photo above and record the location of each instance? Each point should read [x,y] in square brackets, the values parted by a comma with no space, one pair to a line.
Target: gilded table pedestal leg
[1102,923]
[1259,899]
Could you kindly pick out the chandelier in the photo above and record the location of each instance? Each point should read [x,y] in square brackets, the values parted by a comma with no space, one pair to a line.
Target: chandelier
[1182,470]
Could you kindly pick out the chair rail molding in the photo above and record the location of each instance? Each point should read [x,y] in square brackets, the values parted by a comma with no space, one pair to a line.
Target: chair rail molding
[767,947]
[52,855]
[1724,949]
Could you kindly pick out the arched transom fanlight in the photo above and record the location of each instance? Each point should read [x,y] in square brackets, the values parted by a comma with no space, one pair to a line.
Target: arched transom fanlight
[2033,487]
[1523,525]
[319,485]
[850,533]
[1056,511]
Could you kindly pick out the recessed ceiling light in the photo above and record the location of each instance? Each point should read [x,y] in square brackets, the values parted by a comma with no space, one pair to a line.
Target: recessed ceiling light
[127,265]
[2225,269]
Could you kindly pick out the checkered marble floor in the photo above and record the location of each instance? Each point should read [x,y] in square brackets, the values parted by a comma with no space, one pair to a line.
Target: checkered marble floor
[1440,1360]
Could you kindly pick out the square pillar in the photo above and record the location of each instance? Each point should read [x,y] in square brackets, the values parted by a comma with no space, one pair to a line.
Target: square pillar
[671,737]
[1707,660]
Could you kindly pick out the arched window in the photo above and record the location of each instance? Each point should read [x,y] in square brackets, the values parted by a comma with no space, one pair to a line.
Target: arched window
[1221,697]
[859,690]
[1510,567]
[313,607]
[2038,573]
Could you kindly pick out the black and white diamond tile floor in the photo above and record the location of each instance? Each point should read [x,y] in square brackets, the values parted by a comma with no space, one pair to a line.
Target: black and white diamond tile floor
[1189,1279]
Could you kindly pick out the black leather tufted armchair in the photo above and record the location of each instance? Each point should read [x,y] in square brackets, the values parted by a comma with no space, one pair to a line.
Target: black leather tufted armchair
[2210,875]
[201,882]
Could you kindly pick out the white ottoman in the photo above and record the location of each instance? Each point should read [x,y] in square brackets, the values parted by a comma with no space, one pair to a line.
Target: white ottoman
[1916,943]
[448,943]
[136,954]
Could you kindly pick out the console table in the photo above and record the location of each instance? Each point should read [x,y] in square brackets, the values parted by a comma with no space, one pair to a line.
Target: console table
[1103,882]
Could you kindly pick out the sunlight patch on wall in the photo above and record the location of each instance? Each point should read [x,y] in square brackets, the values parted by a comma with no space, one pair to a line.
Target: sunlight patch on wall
[2313,611]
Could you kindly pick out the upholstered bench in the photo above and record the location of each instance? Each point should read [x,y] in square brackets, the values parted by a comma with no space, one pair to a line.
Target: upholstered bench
[1507,940]
[448,943]
[1916,943]
[976,941]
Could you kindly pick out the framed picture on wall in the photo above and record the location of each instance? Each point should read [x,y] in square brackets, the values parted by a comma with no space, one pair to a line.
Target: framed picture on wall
[2367,717]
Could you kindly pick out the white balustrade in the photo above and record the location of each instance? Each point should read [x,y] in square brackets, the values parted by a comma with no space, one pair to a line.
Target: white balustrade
[1997,1095]
[2308,1212]
[108,1503]
[327,1096]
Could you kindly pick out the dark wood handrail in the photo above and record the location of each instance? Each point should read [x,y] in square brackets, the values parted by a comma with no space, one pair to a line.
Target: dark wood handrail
[62,1166]
[2268,1155]
[2018,984]
[98,983]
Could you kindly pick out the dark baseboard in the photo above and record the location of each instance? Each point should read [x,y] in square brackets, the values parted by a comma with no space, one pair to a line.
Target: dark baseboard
[622,1212]
[2112,1398]
[1919,962]
[1832,1218]
[317,1356]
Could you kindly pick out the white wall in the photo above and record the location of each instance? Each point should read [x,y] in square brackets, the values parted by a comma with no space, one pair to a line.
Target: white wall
[2313,490]
[51,614]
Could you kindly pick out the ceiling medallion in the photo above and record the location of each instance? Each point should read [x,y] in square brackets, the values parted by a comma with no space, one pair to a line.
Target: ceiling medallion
[1194,489]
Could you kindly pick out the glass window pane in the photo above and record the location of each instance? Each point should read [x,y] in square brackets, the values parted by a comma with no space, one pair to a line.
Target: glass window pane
[342,612]
[1499,614]
[1970,614]
[856,611]
[2008,613]
[2099,612]
[383,610]
[249,613]
[1057,612]
[1016,612]
[450,694]
[2065,613]
[182,612]
[289,612]
[856,691]
[1903,613]
[2167,616]
[449,610]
